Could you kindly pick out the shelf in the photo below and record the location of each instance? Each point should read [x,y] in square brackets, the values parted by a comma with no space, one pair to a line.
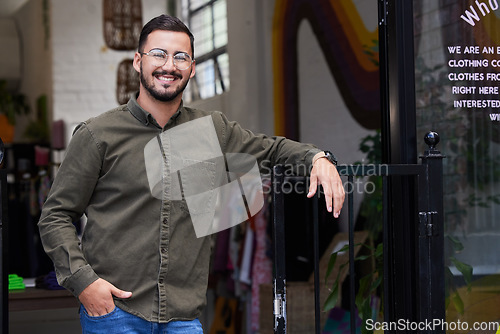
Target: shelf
[40,299]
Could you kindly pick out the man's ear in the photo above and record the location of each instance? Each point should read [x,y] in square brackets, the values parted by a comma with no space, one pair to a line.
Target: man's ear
[137,62]
[193,69]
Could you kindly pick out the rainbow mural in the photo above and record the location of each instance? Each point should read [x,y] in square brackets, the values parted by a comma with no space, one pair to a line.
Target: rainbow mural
[344,40]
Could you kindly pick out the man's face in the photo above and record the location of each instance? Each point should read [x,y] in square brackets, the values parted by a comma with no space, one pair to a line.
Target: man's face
[164,83]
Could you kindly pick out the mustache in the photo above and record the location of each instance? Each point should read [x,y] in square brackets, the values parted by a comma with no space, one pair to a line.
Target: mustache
[177,75]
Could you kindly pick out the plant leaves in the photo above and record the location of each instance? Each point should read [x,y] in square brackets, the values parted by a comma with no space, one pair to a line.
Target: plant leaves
[458,303]
[379,252]
[463,268]
[331,301]
[362,257]
[331,265]
[364,289]
[376,283]
[455,243]
[333,260]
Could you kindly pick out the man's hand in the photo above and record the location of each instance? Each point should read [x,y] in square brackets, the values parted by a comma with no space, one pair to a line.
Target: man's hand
[97,298]
[324,173]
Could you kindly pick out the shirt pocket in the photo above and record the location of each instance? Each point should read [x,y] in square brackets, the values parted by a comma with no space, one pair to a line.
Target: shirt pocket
[199,181]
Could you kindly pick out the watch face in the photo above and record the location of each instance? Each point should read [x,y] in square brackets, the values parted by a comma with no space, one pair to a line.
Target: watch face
[329,155]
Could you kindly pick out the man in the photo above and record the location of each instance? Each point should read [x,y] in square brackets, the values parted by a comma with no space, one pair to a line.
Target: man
[140,267]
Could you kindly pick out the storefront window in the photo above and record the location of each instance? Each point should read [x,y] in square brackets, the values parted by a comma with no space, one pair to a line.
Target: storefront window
[457,67]
[207,20]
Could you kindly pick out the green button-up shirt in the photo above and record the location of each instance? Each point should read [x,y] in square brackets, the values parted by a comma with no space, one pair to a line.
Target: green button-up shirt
[135,237]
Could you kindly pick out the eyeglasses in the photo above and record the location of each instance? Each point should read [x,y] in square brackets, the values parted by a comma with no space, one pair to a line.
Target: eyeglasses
[182,60]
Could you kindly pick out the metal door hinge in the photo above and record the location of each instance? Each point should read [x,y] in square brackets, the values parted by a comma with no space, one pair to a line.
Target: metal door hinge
[427,228]
[279,306]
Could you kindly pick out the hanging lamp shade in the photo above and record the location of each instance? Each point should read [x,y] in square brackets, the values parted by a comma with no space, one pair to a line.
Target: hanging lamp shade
[122,23]
[127,82]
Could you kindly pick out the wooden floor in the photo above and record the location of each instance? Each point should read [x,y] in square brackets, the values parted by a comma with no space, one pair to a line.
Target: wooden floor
[481,304]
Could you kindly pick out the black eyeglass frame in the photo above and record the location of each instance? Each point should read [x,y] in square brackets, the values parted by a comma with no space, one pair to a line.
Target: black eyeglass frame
[191,61]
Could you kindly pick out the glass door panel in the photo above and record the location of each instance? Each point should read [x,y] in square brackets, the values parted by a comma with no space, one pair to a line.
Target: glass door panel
[457,74]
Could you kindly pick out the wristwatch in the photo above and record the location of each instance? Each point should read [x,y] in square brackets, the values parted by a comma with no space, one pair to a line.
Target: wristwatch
[330,157]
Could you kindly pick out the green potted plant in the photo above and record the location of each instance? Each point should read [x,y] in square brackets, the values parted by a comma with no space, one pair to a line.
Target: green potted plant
[38,129]
[11,105]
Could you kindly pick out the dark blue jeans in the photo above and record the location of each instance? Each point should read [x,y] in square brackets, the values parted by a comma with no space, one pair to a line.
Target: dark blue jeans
[119,321]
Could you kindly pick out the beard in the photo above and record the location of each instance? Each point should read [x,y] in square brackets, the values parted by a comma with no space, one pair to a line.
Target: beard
[163,96]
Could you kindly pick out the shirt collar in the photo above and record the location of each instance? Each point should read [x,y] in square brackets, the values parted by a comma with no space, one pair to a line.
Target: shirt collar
[142,115]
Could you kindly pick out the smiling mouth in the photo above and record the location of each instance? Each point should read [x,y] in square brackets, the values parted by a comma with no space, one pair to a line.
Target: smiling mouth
[166,78]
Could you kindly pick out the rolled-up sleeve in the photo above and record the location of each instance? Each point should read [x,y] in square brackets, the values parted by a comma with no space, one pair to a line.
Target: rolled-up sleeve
[66,203]
[268,150]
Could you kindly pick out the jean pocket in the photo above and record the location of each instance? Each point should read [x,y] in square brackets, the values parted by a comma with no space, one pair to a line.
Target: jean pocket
[84,312]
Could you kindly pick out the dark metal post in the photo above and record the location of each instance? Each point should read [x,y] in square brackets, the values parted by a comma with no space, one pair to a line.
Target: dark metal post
[399,147]
[426,256]
[279,251]
[317,311]
[431,289]
[4,281]
[352,272]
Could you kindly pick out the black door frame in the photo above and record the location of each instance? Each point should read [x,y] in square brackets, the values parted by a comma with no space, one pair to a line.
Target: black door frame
[399,144]
[404,259]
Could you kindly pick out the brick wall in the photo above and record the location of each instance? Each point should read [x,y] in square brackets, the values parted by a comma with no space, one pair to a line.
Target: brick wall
[84,68]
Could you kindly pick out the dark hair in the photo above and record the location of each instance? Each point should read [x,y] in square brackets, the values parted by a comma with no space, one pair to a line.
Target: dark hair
[164,22]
